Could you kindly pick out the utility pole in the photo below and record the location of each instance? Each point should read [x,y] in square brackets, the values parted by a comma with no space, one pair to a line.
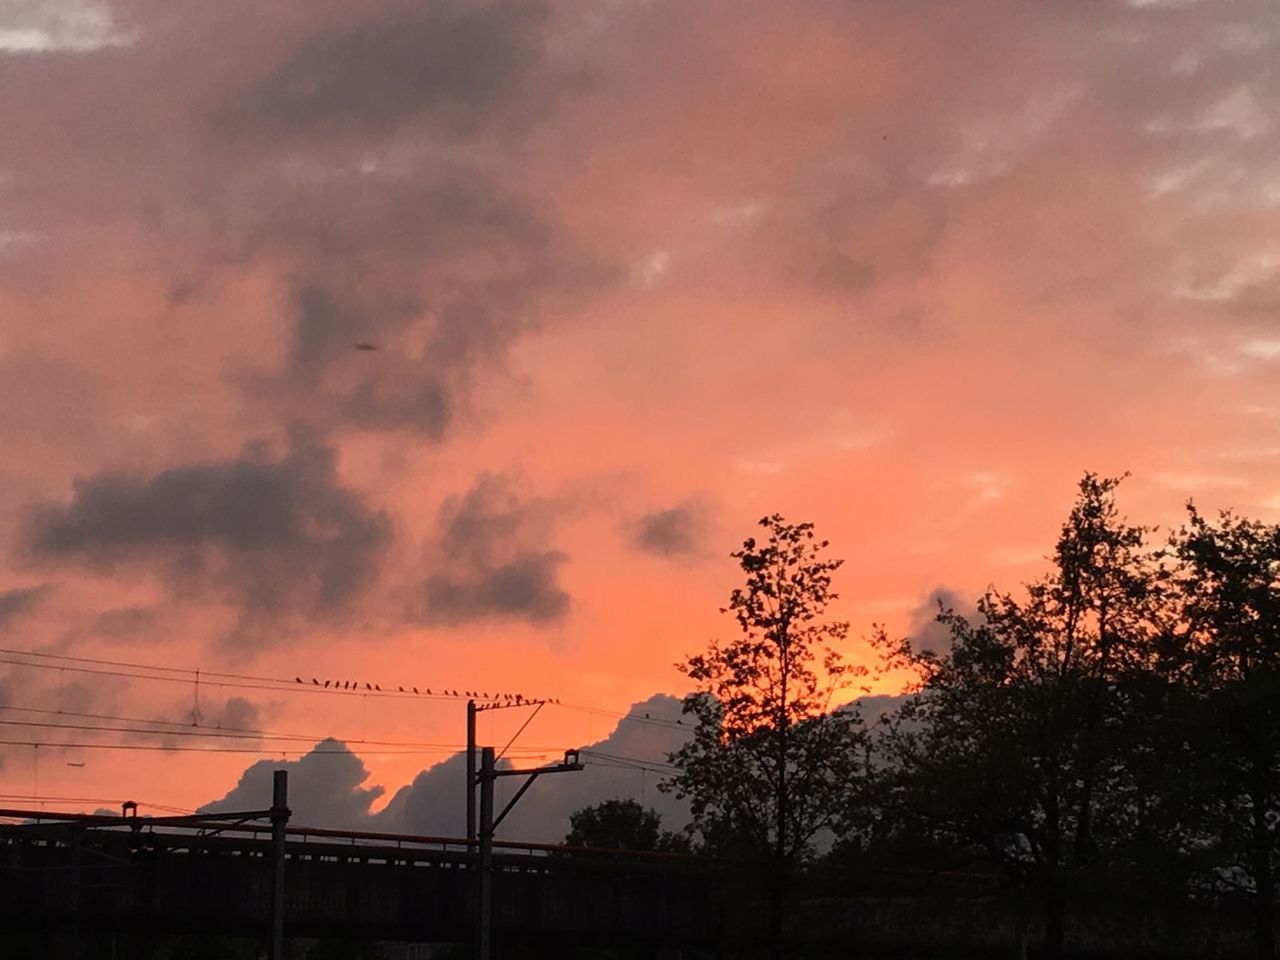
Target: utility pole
[489,825]
[279,821]
[484,932]
[471,774]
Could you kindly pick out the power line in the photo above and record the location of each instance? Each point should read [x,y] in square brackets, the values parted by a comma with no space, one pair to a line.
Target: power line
[229,735]
[177,748]
[186,728]
[639,763]
[239,680]
[112,800]
[630,717]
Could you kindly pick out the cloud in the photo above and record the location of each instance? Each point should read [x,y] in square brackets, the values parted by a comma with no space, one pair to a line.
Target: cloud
[15,603]
[926,633]
[58,26]
[273,537]
[326,788]
[126,623]
[454,64]
[442,269]
[359,182]
[434,803]
[493,560]
[677,532]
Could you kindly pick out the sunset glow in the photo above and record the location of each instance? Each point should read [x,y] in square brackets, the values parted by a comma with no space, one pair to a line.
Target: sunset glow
[455,345]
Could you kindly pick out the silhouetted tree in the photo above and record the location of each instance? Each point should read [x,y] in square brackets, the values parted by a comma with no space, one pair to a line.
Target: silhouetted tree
[621,824]
[770,764]
[1020,738]
[1227,664]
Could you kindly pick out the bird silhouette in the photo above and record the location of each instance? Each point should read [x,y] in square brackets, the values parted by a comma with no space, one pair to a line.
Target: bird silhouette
[415,690]
[368,686]
[326,684]
[378,688]
[402,689]
[297,679]
[315,681]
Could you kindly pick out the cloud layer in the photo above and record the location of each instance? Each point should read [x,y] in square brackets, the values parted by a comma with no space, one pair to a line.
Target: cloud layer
[417,339]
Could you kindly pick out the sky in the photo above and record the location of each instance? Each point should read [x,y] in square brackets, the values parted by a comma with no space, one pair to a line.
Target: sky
[457,344]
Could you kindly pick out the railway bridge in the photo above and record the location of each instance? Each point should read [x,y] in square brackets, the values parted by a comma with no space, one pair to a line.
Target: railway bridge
[81,875]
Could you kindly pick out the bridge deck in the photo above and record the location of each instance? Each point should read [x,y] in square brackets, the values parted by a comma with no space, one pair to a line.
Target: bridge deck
[167,879]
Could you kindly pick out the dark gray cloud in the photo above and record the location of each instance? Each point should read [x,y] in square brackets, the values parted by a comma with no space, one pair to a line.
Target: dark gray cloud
[455,64]
[208,723]
[274,537]
[443,271]
[325,788]
[926,633]
[15,603]
[676,532]
[493,559]
[387,231]
[126,623]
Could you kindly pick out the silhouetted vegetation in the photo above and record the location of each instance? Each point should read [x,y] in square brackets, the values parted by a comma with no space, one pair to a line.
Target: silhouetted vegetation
[622,824]
[1099,749]
[770,765]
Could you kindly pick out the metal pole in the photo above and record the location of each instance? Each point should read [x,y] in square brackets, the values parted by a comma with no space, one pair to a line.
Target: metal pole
[486,853]
[471,773]
[279,821]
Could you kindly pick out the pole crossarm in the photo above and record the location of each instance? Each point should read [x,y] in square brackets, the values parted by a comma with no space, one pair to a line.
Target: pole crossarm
[533,775]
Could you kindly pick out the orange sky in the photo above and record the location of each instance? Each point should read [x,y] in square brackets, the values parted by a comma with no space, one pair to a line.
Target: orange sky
[639,271]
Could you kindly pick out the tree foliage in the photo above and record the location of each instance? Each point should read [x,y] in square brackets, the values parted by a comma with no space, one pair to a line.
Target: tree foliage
[1225,667]
[621,824]
[1019,739]
[771,764]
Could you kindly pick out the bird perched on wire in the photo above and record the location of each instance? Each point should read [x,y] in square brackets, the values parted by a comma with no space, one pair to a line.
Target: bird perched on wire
[365,345]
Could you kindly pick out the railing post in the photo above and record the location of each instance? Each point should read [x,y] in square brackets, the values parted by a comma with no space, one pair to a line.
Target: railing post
[279,821]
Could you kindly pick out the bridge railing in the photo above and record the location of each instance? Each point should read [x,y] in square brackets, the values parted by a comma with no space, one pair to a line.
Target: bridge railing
[203,830]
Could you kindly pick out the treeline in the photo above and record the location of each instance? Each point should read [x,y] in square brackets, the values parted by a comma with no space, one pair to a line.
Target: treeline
[1109,733]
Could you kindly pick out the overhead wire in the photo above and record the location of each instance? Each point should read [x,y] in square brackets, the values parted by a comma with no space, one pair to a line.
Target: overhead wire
[112,800]
[260,751]
[186,728]
[264,738]
[185,675]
